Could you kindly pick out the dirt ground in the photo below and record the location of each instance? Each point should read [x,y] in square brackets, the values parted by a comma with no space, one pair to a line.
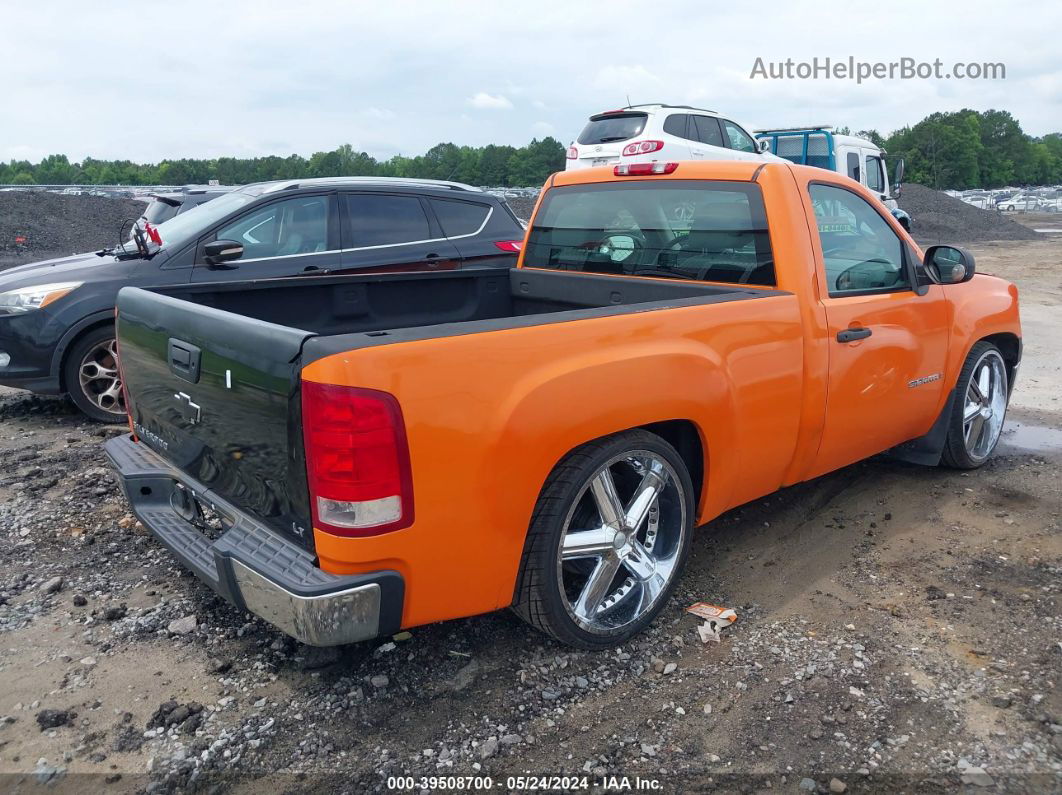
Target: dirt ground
[899,631]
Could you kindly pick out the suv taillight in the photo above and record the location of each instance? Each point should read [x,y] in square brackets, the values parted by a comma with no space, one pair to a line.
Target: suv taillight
[642,148]
[510,246]
[357,460]
[573,153]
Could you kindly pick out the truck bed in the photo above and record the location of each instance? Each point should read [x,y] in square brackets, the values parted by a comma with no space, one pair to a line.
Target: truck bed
[213,371]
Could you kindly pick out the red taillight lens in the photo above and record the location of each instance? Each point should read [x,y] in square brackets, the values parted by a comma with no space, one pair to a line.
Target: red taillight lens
[643,169]
[573,153]
[642,148]
[357,460]
[510,246]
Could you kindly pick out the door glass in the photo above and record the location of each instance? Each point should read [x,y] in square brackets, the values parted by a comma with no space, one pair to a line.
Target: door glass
[707,130]
[853,165]
[675,124]
[459,218]
[739,139]
[282,229]
[875,181]
[379,220]
[861,252]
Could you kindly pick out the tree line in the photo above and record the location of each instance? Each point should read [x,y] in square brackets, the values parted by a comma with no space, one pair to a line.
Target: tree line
[971,149]
[493,165]
[964,149]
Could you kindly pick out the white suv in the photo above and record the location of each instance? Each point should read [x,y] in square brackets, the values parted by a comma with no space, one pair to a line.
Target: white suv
[645,133]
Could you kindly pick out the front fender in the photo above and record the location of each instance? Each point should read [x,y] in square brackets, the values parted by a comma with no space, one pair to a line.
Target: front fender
[983,307]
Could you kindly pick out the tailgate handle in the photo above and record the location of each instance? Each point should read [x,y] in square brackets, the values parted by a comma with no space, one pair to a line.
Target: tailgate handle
[184,359]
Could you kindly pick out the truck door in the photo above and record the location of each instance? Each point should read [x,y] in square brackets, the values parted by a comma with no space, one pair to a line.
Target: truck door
[887,344]
[874,173]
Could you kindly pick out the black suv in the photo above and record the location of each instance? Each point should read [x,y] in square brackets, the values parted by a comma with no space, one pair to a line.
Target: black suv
[57,317]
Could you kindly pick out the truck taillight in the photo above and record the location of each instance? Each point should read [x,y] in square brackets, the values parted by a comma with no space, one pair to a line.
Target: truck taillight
[642,148]
[643,169]
[573,153]
[357,460]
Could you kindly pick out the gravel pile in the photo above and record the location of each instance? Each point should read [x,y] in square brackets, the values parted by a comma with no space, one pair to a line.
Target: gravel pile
[37,225]
[940,218]
[522,207]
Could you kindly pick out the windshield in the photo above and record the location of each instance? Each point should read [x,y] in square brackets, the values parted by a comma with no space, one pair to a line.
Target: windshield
[707,231]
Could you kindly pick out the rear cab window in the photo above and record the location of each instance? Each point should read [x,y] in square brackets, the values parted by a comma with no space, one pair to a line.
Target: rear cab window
[697,230]
[376,219]
[609,127]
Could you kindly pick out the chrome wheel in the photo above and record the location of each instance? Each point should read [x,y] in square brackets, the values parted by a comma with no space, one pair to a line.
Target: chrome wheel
[101,383]
[985,405]
[621,541]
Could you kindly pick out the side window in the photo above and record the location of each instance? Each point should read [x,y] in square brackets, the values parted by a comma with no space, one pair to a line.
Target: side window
[708,130]
[853,165]
[860,251]
[380,220]
[675,124]
[459,218]
[281,229]
[739,139]
[874,177]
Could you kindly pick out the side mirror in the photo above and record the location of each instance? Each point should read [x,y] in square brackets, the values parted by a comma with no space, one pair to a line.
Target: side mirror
[949,264]
[218,252]
[897,178]
[764,144]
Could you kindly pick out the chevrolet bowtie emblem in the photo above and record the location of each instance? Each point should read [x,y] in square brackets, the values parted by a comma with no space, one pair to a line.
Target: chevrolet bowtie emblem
[187,409]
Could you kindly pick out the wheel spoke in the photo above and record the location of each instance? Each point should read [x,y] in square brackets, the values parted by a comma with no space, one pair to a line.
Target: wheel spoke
[972,410]
[587,543]
[984,383]
[597,587]
[639,561]
[653,482]
[651,589]
[973,431]
[603,487]
[974,392]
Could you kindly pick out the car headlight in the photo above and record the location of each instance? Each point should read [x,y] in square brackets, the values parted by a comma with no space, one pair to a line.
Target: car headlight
[26,299]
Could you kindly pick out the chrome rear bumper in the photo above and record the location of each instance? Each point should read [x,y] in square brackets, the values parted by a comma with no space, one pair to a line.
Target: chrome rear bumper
[253,567]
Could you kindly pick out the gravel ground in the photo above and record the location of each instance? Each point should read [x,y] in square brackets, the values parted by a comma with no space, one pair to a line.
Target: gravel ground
[940,218]
[51,225]
[898,631]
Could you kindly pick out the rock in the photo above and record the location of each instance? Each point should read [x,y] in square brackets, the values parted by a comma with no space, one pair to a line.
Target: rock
[313,657]
[158,718]
[79,600]
[464,677]
[379,681]
[648,750]
[512,739]
[183,626]
[54,585]
[815,734]
[808,785]
[488,748]
[977,777]
[708,709]
[218,665]
[670,668]
[933,593]
[1001,701]
[115,612]
[88,662]
[837,786]
[54,718]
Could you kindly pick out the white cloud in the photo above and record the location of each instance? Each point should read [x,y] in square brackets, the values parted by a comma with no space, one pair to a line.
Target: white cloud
[485,101]
[331,73]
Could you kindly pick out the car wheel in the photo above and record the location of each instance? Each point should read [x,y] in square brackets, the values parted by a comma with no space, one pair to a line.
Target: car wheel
[91,376]
[980,407]
[608,539]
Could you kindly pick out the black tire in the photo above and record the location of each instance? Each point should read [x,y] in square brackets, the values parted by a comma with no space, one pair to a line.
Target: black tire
[87,397]
[956,453]
[539,597]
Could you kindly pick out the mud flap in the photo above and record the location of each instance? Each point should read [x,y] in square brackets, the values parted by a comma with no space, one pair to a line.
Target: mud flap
[927,450]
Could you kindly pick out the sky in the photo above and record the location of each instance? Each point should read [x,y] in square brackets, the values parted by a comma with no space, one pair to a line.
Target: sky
[247,78]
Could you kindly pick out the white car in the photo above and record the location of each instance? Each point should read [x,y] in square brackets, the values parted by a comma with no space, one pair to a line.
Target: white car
[1020,203]
[647,133]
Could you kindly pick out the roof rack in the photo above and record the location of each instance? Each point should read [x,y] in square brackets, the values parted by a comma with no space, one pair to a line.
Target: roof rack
[292,184]
[666,105]
[806,128]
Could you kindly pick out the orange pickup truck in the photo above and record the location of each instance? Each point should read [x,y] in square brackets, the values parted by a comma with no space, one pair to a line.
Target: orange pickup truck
[347,456]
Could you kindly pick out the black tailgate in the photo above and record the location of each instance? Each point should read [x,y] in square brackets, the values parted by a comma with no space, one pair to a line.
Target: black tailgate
[217,395]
